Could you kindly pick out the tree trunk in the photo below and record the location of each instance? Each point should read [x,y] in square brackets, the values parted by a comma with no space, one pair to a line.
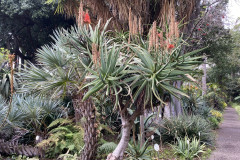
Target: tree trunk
[87,111]
[176,101]
[142,129]
[167,110]
[122,145]
[204,77]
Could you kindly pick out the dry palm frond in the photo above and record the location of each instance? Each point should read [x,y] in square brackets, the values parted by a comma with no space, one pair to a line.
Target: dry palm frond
[144,11]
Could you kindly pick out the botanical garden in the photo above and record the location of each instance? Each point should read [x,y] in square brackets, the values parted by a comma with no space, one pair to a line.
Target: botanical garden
[118,80]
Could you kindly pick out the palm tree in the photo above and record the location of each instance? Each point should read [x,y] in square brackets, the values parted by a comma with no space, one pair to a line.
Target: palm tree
[59,73]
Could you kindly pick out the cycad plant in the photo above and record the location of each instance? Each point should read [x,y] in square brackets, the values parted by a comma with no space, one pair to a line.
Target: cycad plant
[85,62]
[29,113]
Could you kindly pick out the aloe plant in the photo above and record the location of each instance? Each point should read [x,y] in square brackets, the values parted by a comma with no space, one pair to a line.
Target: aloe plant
[85,62]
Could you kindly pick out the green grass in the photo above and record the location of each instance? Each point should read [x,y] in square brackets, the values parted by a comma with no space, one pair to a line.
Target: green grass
[237,107]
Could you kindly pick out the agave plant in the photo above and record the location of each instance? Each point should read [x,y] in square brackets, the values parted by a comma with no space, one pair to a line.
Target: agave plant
[137,152]
[188,148]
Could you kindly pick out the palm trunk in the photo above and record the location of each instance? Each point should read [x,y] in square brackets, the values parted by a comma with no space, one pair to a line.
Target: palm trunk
[87,111]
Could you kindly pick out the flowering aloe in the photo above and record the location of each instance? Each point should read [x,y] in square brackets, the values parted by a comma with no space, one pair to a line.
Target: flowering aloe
[86,62]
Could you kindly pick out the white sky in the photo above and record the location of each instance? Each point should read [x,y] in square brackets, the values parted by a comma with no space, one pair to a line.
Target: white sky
[233,12]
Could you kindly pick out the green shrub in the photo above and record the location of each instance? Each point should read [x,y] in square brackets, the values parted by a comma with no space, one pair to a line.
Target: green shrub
[188,148]
[217,114]
[214,122]
[190,126]
[216,97]
[105,148]
[237,107]
[203,111]
[64,137]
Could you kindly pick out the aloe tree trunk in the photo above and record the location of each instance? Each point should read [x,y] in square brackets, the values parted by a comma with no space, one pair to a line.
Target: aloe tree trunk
[122,145]
[167,110]
[87,112]
[127,124]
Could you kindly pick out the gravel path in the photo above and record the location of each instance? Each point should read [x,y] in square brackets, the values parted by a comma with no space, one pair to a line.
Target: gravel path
[228,139]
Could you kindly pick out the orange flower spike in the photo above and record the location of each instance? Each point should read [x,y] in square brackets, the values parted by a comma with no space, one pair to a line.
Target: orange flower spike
[86,18]
[170,46]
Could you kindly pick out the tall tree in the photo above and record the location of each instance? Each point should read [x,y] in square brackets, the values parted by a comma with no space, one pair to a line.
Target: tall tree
[26,25]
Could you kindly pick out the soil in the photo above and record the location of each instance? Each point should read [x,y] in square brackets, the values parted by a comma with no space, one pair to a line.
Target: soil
[228,140]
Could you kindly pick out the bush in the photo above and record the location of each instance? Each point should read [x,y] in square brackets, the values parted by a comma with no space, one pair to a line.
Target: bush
[105,148]
[203,111]
[187,148]
[216,97]
[64,137]
[217,114]
[214,122]
[237,107]
[190,126]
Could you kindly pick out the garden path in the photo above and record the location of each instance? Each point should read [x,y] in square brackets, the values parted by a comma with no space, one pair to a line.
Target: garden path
[228,140]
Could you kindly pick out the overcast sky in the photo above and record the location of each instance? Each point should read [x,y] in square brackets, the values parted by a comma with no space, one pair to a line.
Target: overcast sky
[233,12]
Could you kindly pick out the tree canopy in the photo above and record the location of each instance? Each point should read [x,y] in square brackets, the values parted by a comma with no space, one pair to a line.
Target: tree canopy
[27,25]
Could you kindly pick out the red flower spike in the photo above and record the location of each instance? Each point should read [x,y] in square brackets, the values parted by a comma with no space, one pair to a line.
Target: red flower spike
[159,35]
[170,46]
[199,29]
[207,24]
[87,19]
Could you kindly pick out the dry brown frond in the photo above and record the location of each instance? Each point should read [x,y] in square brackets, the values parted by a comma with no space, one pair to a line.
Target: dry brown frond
[70,8]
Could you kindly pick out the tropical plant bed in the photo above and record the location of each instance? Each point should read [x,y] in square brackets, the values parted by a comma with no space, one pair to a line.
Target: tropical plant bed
[167,153]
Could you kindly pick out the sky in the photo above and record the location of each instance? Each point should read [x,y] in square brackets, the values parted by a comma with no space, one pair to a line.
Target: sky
[233,12]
